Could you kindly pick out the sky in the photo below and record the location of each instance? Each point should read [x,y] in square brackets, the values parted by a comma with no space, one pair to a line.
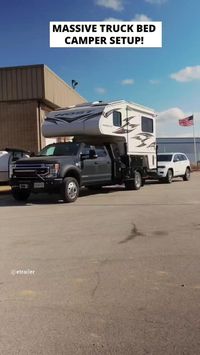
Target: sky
[166,79]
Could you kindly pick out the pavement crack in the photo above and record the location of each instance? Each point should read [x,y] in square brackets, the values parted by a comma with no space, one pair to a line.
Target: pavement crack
[97,284]
[133,234]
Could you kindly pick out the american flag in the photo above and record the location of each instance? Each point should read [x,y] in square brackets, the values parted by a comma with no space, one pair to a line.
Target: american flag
[187,121]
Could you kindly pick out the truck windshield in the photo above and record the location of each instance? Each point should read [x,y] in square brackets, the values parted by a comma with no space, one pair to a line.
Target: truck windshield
[58,149]
[164,157]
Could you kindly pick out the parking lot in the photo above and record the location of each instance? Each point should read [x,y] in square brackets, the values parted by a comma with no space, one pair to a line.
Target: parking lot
[116,272]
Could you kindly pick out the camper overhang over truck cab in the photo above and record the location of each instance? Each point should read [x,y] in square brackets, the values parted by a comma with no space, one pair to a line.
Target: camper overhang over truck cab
[113,143]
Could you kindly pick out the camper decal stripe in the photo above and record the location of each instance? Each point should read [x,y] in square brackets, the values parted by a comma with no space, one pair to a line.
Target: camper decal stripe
[142,138]
[122,130]
[152,145]
[128,125]
[106,114]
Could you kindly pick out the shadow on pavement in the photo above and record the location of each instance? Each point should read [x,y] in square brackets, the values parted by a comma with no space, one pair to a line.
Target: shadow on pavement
[6,199]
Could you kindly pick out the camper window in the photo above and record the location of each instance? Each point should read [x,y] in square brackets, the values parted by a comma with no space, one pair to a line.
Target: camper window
[117,118]
[147,124]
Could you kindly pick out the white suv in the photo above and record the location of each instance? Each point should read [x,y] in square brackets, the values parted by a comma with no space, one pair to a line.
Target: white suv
[171,165]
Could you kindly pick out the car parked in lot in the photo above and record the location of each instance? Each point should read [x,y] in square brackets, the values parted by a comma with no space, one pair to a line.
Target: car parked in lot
[170,165]
[7,157]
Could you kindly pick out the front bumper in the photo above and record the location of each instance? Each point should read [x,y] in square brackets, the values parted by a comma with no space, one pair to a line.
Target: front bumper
[37,185]
[161,172]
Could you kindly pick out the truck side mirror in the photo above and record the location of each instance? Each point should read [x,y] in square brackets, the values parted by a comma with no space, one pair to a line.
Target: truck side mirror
[84,156]
[92,154]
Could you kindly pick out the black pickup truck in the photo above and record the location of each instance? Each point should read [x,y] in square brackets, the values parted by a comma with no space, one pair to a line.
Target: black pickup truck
[65,167]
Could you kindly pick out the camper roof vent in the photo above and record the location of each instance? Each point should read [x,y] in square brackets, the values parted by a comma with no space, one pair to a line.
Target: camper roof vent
[98,103]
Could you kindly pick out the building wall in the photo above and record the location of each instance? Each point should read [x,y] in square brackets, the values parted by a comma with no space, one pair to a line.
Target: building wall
[18,125]
[42,112]
[27,94]
[22,83]
[58,92]
[183,145]
[36,82]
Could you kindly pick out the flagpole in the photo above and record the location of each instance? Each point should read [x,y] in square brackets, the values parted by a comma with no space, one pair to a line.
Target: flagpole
[194,139]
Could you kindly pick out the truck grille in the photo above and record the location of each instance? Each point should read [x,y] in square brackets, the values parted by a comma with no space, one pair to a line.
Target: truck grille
[32,171]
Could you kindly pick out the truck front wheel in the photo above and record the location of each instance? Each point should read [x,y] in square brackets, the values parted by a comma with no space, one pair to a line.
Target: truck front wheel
[20,194]
[134,184]
[70,189]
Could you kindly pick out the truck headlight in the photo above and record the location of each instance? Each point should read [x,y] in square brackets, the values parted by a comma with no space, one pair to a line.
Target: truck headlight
[12,166]
[54,170]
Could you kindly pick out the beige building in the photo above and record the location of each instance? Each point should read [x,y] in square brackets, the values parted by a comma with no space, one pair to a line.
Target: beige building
[26,94]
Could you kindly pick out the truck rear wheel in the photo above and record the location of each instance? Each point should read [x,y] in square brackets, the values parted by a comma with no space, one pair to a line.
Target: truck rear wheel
[134,184]
[20,194]
[70,189]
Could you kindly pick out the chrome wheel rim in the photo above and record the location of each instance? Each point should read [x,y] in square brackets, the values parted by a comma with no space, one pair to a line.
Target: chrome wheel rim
[137,180]
[72,190]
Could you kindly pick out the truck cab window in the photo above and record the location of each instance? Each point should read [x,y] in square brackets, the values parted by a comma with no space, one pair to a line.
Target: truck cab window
[100,151]
[86,149]
[60,149]
[117,118]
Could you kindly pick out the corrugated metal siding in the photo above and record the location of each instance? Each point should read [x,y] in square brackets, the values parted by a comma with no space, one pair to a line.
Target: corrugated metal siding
[18,125]
[42,112]
[183,145]
[22,83]
[21,118]
[58,92]
[36,82]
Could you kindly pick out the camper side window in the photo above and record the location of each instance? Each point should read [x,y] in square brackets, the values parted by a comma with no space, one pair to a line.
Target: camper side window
[147,124]
[117,118]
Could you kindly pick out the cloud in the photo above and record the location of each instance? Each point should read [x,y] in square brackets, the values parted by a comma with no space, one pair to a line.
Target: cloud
[154,82]
[156,2]
[187,74]
[112,19]
[171,114]
[141,17]
[167,123]
[168,126]
[101,91]
[127,82]
[116,5]
[138,17]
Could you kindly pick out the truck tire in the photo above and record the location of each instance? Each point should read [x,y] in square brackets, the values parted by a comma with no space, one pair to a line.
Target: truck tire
[186,177]
[143,182]
[20,194]
[134,184]
[70,189]
[169,176]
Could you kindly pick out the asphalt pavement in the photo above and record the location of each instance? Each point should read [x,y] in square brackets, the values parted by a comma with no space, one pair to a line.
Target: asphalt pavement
[116,272]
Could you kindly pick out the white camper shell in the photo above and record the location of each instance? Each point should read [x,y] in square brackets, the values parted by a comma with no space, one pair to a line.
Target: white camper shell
[120,122]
